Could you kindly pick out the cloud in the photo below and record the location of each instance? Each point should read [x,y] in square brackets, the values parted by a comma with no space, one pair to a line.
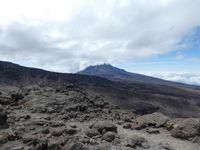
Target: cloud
[188,78]
[68,35]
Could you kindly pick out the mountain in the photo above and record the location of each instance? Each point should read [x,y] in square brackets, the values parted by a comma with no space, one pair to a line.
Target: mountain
[113,73]
[139,97]
[43,110]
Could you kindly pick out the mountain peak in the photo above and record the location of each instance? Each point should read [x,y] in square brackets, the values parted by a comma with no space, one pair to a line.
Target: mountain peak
[102,69]
[113,73]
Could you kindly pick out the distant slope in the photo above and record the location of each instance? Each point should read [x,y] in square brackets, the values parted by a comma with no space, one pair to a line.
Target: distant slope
[140,97]
[110,72]
[11,73]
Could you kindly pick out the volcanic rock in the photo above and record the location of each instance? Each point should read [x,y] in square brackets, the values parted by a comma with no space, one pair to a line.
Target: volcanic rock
[155,120]
[92,132]
[3,118]
[109,136]
[184,128]
[107,126]
[136,141]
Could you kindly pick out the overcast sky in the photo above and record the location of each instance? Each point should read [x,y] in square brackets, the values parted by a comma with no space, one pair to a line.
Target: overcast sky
[67,35]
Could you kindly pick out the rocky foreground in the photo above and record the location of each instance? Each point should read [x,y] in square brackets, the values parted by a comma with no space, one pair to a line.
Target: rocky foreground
[68,118]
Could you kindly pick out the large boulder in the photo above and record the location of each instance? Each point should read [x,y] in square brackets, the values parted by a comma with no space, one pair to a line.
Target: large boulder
[137,141]
[92,132]
[155,119]
[185,128]
[109,136]
[104,126]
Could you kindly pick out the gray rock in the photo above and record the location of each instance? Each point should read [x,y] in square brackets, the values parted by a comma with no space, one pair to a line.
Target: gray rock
[12,136]
[41,122]
[57,123]
[77,107]
[73,125]
[45,131]
[107,126]
[17,96]
[54,145]
[5,100]
[197,140]
[155,119]
[92,132]
[87,140]
[184,128]
[137,141]
[69,86]
[166,146]
[127,125]
[43,145]
[57,132]
[71,131]
[3,137]
[29,139]
[100,103]
[109,136]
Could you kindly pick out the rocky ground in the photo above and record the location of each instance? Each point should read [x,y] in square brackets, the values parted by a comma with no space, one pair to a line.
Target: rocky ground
[68,118]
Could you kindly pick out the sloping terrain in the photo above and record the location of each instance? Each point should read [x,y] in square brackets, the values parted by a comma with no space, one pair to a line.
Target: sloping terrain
[41,110]
[140,97]
[41,117]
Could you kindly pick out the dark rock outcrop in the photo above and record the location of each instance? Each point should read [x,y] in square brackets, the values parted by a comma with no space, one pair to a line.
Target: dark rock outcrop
[3,118]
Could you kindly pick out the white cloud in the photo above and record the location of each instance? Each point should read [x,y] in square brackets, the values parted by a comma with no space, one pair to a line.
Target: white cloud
[66,35]
[188,78]
[36,10]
